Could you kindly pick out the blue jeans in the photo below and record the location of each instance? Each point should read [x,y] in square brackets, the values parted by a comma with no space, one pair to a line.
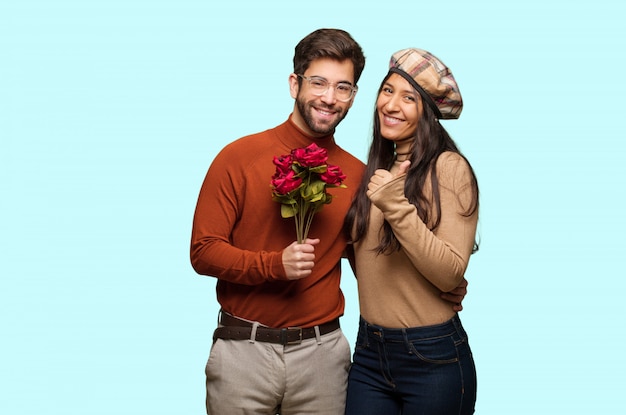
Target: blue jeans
[422,370]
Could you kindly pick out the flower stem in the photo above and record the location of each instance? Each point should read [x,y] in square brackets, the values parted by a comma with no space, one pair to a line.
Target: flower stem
[303,213]
[309,221]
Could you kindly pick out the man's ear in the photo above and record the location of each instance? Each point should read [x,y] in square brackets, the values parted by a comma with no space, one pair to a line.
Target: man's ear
[294,88]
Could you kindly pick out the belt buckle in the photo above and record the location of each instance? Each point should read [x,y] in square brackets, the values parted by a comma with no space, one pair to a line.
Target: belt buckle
[284,336]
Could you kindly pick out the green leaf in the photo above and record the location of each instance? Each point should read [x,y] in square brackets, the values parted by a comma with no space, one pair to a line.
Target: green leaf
[318,169]
[287,199]
[288,211]
[314,191]
[316,198]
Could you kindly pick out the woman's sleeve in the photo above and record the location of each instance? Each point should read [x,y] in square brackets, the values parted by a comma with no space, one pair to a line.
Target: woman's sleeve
[440,256]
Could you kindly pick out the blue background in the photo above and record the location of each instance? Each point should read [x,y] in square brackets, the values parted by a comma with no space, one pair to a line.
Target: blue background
[111,112]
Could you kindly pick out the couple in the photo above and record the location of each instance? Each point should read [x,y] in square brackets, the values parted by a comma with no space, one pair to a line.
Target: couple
[406,220]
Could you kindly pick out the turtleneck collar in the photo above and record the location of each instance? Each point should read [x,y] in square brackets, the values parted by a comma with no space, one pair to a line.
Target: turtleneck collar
[298,138]
[403,149]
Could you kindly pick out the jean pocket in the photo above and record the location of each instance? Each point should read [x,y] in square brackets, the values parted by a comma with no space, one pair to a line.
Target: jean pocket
[438,350]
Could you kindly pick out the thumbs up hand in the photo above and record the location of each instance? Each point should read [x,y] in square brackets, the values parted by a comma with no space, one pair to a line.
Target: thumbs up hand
[381,177]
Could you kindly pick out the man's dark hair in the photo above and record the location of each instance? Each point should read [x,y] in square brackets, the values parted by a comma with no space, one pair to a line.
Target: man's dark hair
[335,44]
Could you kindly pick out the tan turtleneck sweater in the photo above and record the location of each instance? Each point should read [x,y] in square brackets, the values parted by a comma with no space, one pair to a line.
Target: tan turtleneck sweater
[403,289]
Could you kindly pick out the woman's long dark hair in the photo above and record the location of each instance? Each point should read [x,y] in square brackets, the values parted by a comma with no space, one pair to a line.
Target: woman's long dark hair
[430,141]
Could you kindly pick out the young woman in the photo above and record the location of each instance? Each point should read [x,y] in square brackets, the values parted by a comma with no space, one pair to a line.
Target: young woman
[413,226]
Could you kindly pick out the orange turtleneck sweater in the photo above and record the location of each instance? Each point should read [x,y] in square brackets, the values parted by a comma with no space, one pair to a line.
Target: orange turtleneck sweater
[238,233]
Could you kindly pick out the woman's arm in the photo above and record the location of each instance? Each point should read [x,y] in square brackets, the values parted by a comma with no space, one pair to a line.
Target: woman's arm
[441,256]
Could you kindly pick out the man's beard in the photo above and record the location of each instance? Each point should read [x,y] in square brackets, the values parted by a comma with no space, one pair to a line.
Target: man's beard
[306,111]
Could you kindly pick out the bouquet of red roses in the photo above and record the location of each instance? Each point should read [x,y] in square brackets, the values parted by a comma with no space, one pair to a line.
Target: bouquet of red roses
[300,184]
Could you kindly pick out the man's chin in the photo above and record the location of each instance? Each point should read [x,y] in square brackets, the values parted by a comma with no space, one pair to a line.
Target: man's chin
[323,128]
[324,131]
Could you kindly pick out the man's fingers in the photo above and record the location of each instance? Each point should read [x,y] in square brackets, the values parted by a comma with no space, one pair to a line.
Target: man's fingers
[299,259]
[453,298]
[311,241]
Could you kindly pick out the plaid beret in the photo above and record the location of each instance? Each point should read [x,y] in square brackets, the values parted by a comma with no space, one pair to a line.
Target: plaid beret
[431,78]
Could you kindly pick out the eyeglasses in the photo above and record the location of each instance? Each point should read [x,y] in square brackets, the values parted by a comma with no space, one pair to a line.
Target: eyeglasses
[343,90]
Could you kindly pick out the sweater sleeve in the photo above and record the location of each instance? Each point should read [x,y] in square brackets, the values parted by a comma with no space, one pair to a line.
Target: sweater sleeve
[441,256]
[217,212]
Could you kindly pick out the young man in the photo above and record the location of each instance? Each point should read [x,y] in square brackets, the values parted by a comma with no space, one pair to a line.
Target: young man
[278,347]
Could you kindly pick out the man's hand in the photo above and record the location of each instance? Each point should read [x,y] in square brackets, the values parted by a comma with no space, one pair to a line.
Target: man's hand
[381,177]
[457,295]
[298,259]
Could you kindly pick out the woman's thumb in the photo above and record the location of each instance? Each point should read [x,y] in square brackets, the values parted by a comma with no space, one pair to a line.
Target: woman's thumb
[404,167]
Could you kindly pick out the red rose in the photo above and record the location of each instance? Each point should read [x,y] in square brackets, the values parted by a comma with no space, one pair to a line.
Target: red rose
[333,175]
[283,164]
[299,185]
[284,184]
[311,156]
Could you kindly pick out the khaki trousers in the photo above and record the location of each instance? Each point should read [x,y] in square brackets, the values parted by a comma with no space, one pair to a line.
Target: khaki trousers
[245,378]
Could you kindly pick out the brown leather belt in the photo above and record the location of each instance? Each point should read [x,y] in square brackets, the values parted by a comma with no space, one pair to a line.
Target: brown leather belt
[237,329]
